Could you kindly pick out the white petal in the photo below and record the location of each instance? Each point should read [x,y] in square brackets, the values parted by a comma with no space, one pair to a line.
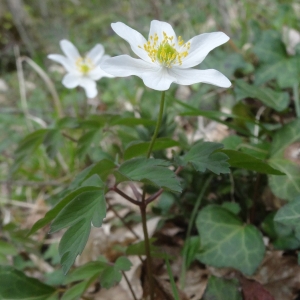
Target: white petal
[96,53]
[201,45]
[70,81]
[62,60]
[89,86]
[191,76]
[125,65]
[159,80]
[69,50]
[98,73]
[159,27]
[133,37]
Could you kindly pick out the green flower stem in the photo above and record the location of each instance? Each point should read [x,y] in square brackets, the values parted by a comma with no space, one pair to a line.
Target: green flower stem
[191,223]
[296,99]
[144,203]
[158,123]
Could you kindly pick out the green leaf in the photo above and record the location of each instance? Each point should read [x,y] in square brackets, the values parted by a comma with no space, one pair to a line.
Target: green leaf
[53,141]
[289,216]
[86,140]
[140,148]
[276,100]
[81,207]
[276,63]
[285,187]
[78,214]
[202,157]
[51,214]
[110,276]
[123,263]
[75,291]
[149,171]
[73,243]
[284,137]
[222,289]
[242,160]
[67,122]
[16,285]
[89,270]
[7,249]
[227,242]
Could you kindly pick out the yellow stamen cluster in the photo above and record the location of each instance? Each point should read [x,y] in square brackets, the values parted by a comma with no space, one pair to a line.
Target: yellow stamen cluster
[84,65]
[165,52]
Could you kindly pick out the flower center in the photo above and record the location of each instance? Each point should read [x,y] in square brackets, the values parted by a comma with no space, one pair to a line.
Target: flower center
[84,65]
[166,53]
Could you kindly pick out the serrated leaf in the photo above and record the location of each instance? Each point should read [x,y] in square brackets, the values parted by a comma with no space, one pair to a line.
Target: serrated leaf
[123,263]
[88,270]
[51,214]
[74,292]
[110,276]
[276,100]
[140,148]
[16,285]
[73,243]
[242,160]
[149,171]
[202,157]
[227,242]
[81,207]
[222,289]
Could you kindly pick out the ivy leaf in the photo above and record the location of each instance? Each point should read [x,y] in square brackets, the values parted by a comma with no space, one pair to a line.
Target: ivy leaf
[242,160]
[276,100]
[276,63]
[202,156]
[285,187]
[289,216]
[222,289]
[285,142]
[227,242]
[149,171]
[16,285]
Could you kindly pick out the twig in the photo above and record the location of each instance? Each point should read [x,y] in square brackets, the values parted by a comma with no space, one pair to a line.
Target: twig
[69,137]
[115,189]
[137,194]
[123,221]
[129,285]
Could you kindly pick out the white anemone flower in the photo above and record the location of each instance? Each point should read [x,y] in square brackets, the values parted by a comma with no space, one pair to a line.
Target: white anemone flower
[166,58]
[81,71]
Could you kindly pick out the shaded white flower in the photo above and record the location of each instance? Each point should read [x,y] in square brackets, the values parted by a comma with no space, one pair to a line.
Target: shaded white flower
[166,58]
[82,71]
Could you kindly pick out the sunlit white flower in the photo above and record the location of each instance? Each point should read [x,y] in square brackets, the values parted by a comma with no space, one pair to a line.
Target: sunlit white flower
[82,71]
[166,58]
